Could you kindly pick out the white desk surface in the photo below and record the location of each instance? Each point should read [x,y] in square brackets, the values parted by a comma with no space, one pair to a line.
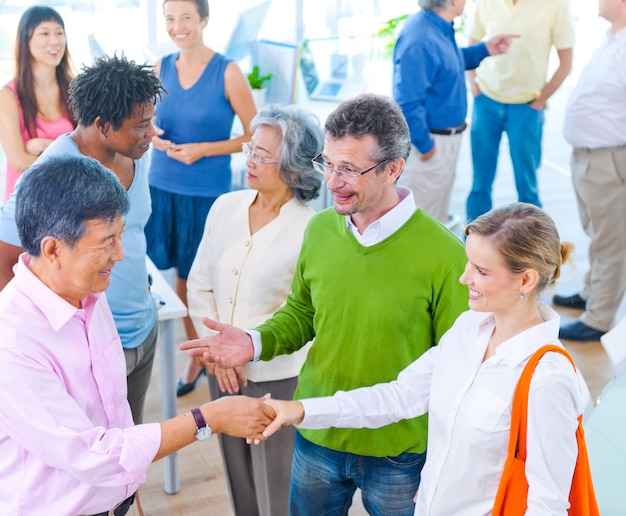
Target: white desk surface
[170,308]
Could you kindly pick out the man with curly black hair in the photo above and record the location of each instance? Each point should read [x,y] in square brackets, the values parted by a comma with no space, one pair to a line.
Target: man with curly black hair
[113,101]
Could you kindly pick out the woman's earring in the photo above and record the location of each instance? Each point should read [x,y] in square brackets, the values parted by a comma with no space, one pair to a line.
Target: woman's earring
[523,295]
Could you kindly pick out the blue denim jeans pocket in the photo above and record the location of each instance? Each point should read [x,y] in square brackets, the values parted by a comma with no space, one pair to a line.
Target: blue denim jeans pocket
[323,481]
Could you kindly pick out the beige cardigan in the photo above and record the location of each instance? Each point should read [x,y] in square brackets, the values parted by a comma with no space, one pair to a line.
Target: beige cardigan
[242,279]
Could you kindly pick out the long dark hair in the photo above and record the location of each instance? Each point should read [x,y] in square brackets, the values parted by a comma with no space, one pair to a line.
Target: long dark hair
[24,82]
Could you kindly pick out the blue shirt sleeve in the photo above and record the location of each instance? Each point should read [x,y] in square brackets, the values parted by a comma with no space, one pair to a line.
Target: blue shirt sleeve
[8,228]
[412,76]
[474,54]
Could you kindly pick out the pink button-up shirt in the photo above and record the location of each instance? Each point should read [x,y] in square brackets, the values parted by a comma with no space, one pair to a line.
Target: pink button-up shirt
[68,445]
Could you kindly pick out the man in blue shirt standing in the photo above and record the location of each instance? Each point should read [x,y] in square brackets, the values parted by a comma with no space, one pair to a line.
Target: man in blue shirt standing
[429,86]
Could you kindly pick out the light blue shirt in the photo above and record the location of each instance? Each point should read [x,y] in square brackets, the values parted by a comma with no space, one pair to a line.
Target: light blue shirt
[128,296]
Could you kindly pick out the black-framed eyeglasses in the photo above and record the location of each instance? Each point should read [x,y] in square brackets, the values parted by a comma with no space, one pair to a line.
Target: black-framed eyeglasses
[255,156]
[343,175]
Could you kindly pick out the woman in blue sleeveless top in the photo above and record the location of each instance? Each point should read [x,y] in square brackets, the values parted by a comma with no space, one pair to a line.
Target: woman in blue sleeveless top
[190,160]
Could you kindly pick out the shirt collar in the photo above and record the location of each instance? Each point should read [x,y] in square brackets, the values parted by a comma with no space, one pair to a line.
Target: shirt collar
[54,308]
[389,223]
[437,20]
[520,347]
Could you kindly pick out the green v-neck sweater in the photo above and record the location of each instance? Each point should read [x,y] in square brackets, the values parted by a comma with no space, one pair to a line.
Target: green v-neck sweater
[372,311]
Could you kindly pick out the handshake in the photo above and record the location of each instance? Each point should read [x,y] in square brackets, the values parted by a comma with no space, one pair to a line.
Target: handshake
[239,416]
[256,419]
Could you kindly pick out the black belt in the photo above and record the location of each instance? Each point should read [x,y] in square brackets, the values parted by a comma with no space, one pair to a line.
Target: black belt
[122,508]
[453,130]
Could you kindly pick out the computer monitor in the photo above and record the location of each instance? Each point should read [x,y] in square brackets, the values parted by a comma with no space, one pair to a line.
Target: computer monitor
[244,37]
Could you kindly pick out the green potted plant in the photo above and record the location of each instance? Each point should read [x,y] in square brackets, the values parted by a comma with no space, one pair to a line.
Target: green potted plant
[258,84]
[389,32]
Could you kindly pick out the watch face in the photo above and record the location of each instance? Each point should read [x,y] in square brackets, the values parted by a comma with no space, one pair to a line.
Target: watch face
[202,434]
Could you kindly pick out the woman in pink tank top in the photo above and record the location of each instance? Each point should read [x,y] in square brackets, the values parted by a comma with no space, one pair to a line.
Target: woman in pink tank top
[35,103]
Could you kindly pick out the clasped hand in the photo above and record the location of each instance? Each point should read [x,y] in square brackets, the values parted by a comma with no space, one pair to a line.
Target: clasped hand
[284,413]
[229,349]
[186,153]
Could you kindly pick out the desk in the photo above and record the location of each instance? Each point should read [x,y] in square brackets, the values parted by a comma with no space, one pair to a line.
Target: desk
[170,308]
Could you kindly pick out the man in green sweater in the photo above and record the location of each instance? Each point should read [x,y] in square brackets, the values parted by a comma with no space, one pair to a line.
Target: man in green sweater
[376,285]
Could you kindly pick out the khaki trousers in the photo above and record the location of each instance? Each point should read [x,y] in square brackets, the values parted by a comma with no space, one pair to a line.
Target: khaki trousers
[431,181]
[599,177]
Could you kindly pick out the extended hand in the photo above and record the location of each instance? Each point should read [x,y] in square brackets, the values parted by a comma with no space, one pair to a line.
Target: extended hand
[231,347]
[500,44]
[287,413]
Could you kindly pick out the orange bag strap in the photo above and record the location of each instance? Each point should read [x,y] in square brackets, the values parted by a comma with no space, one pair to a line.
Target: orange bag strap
[519,409]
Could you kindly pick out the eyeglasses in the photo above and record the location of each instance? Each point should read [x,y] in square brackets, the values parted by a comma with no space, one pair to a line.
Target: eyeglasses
[255,156]
[343,175]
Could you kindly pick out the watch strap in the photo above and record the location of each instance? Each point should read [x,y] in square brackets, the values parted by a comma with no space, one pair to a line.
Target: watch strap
[199,418]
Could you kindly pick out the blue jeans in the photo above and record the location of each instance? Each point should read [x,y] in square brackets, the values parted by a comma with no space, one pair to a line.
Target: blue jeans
[523,126]
[323,481]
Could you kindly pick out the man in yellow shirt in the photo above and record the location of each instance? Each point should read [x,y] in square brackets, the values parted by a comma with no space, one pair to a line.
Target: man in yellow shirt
[510,90]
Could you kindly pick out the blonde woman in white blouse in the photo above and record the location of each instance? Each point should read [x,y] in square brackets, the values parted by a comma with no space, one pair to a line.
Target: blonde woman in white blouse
[242,274]
[466,383]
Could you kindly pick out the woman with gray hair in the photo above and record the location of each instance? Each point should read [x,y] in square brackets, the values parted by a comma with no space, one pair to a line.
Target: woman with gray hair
[242,274]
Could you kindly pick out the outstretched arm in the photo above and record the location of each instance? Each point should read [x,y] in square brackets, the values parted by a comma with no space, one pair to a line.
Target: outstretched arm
[238,416]
[500,44]
[365,407]
[231,347]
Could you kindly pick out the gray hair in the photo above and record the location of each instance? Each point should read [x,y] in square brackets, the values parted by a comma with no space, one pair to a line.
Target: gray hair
[58,196]
[375,115]
[434,6]
[302,139]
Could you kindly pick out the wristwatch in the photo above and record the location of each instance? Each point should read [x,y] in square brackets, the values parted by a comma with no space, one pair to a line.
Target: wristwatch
[203,431]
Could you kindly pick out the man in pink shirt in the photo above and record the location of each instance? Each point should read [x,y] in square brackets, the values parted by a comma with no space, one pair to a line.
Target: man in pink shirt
[68,444]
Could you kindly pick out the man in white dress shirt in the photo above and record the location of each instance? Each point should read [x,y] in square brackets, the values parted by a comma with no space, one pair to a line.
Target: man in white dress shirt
[595,126]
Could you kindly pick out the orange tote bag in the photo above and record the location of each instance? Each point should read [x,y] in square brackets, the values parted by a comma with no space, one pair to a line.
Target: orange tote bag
[511,499]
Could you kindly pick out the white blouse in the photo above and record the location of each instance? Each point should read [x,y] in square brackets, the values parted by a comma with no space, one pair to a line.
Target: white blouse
[242,279]
[469,405]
